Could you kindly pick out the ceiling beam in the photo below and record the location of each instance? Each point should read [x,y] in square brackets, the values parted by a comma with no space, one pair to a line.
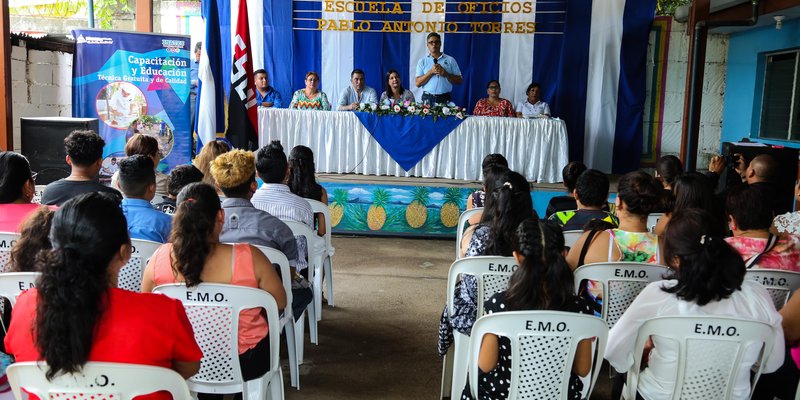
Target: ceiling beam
[744,10]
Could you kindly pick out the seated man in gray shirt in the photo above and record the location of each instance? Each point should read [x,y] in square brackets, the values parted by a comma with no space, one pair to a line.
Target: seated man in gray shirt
[357,93]
[235,174]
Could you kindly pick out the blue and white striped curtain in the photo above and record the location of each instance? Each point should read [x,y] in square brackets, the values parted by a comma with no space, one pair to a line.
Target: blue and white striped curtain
[588,55]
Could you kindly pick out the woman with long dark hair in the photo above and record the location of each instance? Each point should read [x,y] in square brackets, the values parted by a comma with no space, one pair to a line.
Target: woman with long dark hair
[708,279]
[303,183]
[76,313]
[543,281]
[195,255]
[17,188]
[395,92]
[508,204]
[693,190]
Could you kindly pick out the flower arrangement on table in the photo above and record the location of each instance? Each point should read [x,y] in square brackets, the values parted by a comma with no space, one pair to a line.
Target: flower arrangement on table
[435,111]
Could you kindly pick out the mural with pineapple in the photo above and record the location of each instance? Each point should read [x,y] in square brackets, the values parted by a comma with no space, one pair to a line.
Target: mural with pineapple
[395,210]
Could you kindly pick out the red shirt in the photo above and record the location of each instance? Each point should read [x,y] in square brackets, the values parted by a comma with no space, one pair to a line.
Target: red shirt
[503,109]
[12,215]
[136,328]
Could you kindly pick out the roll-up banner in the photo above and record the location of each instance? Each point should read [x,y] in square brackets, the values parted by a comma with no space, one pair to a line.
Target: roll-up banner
[134,83]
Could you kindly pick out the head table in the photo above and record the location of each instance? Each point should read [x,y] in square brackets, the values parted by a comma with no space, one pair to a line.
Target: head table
[536,148]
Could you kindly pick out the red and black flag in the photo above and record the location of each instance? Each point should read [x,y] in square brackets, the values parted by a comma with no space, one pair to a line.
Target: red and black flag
[242,110]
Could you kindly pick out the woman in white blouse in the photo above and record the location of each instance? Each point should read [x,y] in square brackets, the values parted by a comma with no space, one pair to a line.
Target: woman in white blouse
[709,281]
[533,106]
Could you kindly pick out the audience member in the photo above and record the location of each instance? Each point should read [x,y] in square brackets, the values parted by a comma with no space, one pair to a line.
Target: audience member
[760,173]
[85,157]
[591,194]
[179,177]
[494,106]
[303,183]
[543,281]
[395,92]
[693,190]
[506,207]
[750,218]
[310,98]
[638,194]
[708,279]
[790,221]
[275,197]
[533,106]
[145,145]
[33,238]
[17,188]
[569,174]
[357,93]
[208,153]
[782,383]
[476,199]
[668,169]
[195,255]
[76,314]
[138,184]
[266,95]
[235,173]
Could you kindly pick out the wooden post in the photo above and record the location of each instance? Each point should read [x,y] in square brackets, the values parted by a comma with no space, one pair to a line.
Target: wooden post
[144,15]
[6,113]
[690,124]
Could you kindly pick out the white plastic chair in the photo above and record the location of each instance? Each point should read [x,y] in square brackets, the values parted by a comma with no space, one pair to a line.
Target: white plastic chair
[7,241]
[492,274]
[543,346]
[621,281]
[652,221]
[96,380]
[37,194]
[130,276]
[710,353]
[779,283]
[570,237]
[294,328]
[213,309]
[316,252]
[12,284]
[327,262]
[461,227]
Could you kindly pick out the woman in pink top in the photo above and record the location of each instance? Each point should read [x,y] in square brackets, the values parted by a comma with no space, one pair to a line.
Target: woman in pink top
[750,217]
[195,255]
[16,190]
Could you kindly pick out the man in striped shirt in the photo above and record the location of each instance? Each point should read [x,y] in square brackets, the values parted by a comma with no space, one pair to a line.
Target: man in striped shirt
[275,197]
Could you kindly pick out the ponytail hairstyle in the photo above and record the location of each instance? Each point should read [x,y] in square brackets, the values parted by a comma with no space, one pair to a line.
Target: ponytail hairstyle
[641,193]
[708,269]
[543,281]
[508,204]
[33,239]
[192,229]
[301,174]
[86,233]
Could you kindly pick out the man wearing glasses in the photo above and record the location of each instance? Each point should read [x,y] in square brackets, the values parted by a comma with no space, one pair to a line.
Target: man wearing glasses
[437,73]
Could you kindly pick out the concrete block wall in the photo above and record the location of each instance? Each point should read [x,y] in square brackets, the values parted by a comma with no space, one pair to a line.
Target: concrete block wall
[41,84]
[675,93]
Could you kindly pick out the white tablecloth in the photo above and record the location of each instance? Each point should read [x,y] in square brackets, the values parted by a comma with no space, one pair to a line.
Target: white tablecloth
[536,148]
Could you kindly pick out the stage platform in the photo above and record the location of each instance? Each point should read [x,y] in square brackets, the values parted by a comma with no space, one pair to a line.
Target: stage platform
[415,207]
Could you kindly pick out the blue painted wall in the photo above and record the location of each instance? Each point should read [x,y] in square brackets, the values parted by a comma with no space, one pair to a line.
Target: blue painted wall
[745,74]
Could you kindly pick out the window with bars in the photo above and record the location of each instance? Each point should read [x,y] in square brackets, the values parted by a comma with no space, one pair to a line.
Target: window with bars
[780,104]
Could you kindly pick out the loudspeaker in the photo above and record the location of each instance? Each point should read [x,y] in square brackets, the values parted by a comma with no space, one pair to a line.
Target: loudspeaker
[43,144]
[786,159]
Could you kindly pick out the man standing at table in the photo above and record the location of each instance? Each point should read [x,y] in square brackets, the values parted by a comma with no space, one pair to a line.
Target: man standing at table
[357,93]
[266,95]
[437,73]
